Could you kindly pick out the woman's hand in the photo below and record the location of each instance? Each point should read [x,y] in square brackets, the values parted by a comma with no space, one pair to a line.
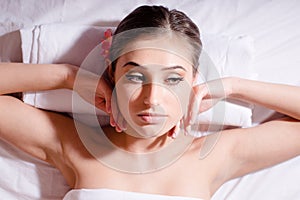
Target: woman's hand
[206,95]
[91,87]
[97,91]
[203,97]
[116,118]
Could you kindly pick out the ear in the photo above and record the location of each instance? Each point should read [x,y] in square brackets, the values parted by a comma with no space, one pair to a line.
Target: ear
[110,72]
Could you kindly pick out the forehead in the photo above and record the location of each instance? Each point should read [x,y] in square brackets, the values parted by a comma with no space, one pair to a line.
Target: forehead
[155,57]
[157,51]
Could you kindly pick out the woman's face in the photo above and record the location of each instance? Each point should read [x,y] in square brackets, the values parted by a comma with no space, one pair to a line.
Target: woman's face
[153,88]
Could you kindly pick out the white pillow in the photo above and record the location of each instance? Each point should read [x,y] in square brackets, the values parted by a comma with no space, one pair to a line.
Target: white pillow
[10,50]
[68,43]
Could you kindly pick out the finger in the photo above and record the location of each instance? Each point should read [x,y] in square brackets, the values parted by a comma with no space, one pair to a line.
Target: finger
[207,104]
[104,90]
[114,111]
[108,104]
[116,115]
[118,128]
[193,107]
[200,93]
[187,130]
[112,121]
[119,124]
[108,100]
[124,124]
[193,112]
[186,126]
[188,114]
[176,130]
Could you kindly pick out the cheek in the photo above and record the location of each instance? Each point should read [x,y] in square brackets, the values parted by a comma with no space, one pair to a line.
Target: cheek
[182,96]
[174,99]
[126,95]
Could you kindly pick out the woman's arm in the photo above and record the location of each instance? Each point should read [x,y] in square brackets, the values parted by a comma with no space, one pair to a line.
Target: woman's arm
[281,98]
[37,132]
[19,77]
[270,143]
[32,130]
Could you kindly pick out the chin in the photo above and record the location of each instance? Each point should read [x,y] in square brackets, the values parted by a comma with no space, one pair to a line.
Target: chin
[147,131]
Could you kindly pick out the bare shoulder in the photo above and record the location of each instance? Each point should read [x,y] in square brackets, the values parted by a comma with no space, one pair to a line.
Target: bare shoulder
[37,132]
[213,155]
[242,151]
[215,144]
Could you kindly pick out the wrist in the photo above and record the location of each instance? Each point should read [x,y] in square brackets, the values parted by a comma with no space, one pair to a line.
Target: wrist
[69,75]
[234,87]
[230,86]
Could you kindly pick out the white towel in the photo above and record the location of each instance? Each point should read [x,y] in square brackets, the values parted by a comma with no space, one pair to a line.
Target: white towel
[105,194]
[68,43]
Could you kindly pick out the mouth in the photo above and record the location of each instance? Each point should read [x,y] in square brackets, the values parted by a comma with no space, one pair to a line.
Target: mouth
[152,118]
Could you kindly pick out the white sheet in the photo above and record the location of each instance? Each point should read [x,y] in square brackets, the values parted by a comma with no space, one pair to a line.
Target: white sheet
[274,25]
[24,177]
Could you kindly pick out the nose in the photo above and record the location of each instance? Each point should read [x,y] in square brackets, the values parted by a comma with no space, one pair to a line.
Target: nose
[152,94]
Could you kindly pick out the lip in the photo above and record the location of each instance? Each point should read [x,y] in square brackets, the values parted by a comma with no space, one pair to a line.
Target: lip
[151,118]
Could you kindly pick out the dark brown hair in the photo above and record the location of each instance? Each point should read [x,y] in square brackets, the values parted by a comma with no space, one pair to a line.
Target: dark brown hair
[151,20]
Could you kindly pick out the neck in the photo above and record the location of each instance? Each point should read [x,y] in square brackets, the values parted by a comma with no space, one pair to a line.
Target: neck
[142,145]
[138,145]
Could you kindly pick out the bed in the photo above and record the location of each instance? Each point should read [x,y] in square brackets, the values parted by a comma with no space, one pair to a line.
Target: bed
[270,27]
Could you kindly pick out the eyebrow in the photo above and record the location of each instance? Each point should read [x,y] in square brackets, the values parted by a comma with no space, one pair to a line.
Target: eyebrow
[131,63]
[164,69]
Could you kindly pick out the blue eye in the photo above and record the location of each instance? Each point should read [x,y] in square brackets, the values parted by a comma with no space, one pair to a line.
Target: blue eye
[174,80]
[135,78]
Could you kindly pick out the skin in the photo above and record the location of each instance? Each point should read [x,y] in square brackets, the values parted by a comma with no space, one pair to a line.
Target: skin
[237,153]
[154,87]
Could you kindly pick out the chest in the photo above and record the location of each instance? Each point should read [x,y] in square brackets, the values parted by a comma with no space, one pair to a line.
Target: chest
[185,176]
[182,178]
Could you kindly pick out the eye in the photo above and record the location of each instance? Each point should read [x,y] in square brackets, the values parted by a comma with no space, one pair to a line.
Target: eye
[135,77]
[174,80]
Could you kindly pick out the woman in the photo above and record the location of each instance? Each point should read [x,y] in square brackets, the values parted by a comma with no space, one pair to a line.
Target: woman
[153,70]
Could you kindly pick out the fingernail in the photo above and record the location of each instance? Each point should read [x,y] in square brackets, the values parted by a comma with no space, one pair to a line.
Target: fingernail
[113,124]
[118,129]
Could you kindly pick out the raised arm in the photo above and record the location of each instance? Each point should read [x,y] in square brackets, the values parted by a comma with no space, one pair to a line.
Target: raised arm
[36,131]
[281,98]
[24,126]
[270,143]
[19,77]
